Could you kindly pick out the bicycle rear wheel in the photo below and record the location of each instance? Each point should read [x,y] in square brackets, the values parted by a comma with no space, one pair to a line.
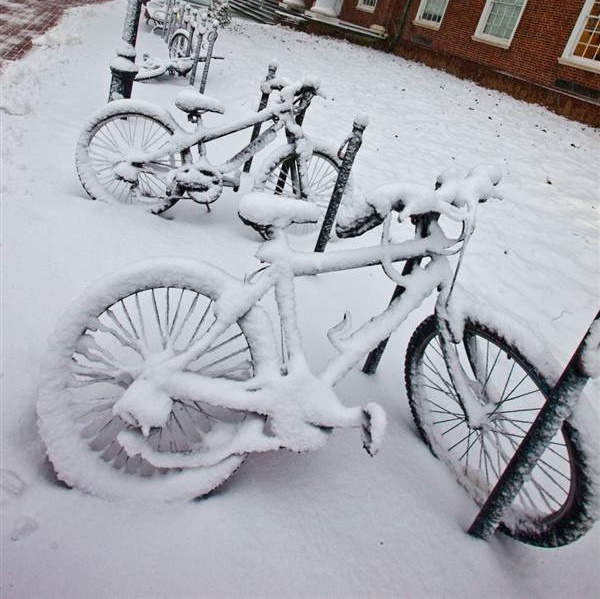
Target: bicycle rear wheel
[121,128]
[140,316]
[180,45]
[554,507]
[280,176]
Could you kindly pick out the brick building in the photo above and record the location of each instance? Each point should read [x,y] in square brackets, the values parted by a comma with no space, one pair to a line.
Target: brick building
[543,51]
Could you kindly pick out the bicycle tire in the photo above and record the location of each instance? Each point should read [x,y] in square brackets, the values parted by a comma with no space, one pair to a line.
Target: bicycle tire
[278,175]
[88,367]
[151,69]
[554,507]
[180,44]
[113,132]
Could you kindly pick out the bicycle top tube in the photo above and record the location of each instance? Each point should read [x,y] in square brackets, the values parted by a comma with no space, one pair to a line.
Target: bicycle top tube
[182,140]
[309,263]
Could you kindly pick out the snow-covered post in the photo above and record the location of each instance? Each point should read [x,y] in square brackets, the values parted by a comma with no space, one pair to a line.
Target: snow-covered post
[351,144]
[264,99]
[176,9]
[123,67]
[559,405]
[171,11]
[168,13]
[212,38]
[197,32]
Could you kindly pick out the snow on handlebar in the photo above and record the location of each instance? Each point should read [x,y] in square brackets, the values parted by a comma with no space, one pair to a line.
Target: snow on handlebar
[307,85]
[455,196]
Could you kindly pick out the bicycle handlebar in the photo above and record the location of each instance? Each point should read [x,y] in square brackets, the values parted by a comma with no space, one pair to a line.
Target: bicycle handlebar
[455,196]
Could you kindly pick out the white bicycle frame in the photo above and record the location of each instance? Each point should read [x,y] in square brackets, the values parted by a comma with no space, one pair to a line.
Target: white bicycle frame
[282,115]
[301,407]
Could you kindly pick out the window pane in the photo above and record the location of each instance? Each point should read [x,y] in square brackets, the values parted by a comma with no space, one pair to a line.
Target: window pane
[433,10]
[503,18]
[588,45]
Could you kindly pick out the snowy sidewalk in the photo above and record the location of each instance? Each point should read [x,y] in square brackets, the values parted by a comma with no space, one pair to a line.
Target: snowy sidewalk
[23,20]
[334,523]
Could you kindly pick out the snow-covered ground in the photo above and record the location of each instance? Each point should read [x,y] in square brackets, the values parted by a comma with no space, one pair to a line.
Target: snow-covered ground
[334,523]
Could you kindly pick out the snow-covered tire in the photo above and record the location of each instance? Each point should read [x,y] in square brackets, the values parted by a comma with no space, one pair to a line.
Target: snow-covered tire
[556,505]
[278,175]
[84,374]
[150,69]
[111,134]
[180,44]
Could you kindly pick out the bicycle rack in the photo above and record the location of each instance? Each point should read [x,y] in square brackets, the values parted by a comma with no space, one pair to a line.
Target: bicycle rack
[123,68]
[262,104]
[558,407]
[351,144]
[212,36]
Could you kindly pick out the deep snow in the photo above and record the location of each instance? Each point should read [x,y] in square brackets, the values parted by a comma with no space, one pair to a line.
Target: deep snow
[334,523]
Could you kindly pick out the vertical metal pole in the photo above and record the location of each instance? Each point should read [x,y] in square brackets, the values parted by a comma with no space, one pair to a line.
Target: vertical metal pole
[197,32]
[353,144]
[123,67]
[264,100]
[168,12]
[421,230]
[175,8]
[212,38]
[558,407]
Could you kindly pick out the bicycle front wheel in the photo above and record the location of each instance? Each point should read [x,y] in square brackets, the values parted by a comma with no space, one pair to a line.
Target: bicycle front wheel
[124,127]
[280,175]
[553,507]
[103,343]
[180,45]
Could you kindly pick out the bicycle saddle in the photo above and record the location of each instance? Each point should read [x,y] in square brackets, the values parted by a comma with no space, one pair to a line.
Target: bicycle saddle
[194,103]
[267,210]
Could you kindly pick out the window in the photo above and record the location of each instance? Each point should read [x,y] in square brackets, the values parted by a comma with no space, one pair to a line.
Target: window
[431,13]
[367,5]
[499,21]
[583,47]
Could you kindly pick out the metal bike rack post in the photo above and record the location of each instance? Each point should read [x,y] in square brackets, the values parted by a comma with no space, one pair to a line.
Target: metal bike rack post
[168,13]
[186,18]
[212,38]
[264,99]
[559,405]
[421,230]
[123,67]
[352,144]
[198,47]
[173,18]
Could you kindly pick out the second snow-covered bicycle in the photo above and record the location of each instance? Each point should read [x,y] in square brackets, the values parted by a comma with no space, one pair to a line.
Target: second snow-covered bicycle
[133,152]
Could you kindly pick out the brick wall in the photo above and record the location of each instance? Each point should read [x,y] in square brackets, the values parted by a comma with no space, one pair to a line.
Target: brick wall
[539,40]
[381,15]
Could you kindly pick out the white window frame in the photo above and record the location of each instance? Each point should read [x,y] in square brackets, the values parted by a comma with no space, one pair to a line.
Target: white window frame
[362,5]
[568,58]
[419,20]
[494,40]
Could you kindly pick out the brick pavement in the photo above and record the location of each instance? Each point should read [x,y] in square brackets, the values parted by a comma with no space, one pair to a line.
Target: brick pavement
[22,20]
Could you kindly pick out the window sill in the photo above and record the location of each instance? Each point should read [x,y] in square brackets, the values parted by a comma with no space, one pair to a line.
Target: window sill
[426,24]
[365,8]
[579,63]
[492,41]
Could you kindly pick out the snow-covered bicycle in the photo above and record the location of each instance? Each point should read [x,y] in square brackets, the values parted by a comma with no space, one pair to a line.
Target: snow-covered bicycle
[164,376]
[134,152]
[187,48]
